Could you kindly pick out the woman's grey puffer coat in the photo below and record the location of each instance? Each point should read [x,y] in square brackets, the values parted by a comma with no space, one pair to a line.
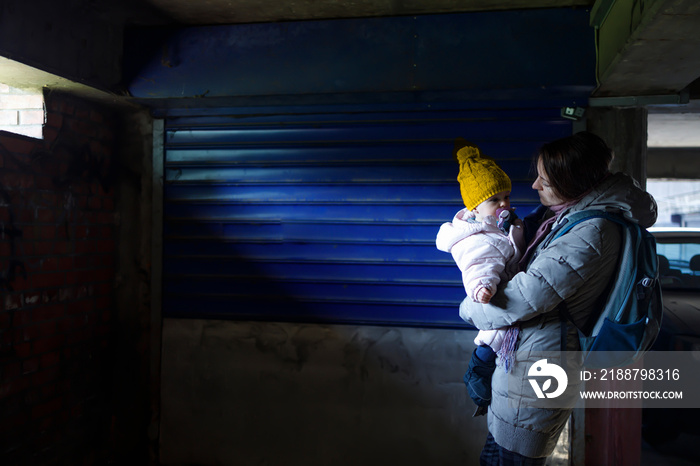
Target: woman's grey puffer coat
[575,267]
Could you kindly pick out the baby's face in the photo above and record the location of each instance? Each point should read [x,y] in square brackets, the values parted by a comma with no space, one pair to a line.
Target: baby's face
[491,205]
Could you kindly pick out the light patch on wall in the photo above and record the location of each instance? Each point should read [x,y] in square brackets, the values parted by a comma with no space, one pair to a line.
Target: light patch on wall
[673,130]
[22,112]
[678,202]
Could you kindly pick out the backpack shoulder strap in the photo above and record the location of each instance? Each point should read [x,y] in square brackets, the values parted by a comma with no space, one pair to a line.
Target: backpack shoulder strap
[574,219]
[564,226]
[568,222]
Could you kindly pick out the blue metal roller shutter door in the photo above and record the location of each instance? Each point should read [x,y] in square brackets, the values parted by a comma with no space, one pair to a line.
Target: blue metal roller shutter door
[328,217]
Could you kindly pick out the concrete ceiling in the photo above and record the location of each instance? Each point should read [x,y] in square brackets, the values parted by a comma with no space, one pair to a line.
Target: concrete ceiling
[649,49]
[204,12]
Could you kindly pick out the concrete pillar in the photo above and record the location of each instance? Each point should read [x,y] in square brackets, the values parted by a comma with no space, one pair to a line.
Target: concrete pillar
[625,131]
[610,432]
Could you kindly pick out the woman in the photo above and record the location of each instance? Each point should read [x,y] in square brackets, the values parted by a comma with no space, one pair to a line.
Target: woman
[572,175]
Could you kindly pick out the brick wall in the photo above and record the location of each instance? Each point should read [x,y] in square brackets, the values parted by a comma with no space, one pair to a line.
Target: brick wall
[57,274]
[21,112]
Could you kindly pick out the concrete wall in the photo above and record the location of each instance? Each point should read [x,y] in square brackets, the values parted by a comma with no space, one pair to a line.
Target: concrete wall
[134,406]
[290,394]
[625,131]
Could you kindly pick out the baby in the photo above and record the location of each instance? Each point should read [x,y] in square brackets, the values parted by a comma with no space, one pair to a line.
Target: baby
[485,240]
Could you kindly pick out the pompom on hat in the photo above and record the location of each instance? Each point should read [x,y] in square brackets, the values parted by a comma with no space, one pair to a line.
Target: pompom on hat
[479,177]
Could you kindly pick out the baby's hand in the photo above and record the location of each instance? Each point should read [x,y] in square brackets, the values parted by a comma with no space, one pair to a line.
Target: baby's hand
[483,295]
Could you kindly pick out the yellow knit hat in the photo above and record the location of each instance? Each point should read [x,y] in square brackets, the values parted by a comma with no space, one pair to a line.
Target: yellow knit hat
[479,176]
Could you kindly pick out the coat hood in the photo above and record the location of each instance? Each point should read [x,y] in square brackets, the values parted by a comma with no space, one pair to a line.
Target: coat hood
[619,194]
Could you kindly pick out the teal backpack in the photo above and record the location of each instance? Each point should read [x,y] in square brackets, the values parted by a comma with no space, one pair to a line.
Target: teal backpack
[631,314]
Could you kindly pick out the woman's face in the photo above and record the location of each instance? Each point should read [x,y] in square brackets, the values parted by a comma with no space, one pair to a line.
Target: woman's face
[548,196]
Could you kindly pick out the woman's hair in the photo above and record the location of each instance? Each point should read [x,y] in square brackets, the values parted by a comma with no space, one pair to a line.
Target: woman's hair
[575,164]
